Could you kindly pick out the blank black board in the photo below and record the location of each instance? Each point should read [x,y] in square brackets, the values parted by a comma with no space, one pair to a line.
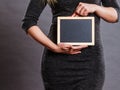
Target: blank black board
[75,30]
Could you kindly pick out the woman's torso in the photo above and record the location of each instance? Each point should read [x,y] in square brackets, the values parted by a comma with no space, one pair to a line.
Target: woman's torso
[66,8]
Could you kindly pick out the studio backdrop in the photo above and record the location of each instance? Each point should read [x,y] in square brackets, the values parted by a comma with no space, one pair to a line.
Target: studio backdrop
[20,55]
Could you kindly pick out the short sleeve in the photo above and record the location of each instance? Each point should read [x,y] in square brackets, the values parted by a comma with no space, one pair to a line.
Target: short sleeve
[114,4]
[33,12]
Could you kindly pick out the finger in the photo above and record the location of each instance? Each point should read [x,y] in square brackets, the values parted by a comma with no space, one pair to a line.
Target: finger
[83,12]
[78,10]
[71,51]
[77,15]
[65,47]
[84,46]
[86,14]
[79,5]
[76,47]
[79,47]
[73,15]
[76,52]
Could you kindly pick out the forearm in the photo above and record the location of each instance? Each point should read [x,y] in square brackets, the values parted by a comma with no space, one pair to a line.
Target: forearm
[109,14]
[40,37]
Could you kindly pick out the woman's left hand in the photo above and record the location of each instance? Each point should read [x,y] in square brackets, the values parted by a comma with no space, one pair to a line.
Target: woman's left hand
[83,9]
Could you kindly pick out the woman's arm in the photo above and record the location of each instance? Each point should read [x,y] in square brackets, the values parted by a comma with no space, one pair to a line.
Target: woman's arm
[40,37]
[30,26]
[107,13]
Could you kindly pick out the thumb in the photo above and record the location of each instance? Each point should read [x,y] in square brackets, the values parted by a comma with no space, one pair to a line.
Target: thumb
[65,46]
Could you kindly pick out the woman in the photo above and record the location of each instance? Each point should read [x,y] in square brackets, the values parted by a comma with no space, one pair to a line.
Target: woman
[67,67]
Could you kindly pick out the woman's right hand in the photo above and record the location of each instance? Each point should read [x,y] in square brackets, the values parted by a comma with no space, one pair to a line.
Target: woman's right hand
[39,36]
[69,49]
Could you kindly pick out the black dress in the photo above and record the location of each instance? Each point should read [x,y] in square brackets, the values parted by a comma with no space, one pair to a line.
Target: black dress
[83,71]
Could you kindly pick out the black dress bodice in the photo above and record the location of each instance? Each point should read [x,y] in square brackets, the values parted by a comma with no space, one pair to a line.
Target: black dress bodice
[61,8]
[83,71]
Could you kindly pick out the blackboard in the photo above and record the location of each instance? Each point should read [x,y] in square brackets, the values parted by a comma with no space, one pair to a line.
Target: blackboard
[76,30]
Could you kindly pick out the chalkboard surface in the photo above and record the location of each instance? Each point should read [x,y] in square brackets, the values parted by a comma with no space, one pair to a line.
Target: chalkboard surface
[75,30]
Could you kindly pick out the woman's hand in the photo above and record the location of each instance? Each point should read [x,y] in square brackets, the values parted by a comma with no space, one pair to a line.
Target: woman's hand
[83,9]
[39,36]
[69,49]
[109,14]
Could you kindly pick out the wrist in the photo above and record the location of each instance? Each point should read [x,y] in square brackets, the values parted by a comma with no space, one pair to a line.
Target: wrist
[95,7]
[56,48]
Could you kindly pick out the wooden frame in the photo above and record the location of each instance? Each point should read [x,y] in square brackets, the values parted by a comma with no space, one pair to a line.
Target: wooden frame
[75,36]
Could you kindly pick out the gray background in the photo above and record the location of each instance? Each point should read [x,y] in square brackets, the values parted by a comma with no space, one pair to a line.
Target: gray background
[20,56]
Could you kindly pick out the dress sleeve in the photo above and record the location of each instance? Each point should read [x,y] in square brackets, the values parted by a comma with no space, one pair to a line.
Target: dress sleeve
[114,4]
[33,12]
